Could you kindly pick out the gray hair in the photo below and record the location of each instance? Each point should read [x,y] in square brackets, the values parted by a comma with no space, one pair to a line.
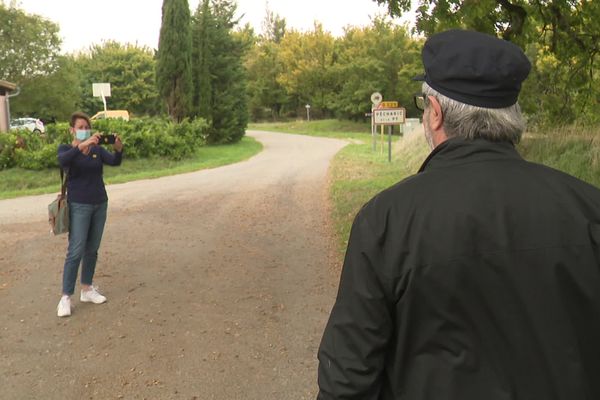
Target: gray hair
[472,122]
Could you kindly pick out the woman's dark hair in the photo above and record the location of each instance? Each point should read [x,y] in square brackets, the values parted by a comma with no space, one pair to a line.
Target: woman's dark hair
[79,115]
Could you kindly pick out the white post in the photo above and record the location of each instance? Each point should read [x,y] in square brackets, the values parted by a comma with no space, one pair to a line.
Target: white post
[373,130]
[103,101]
[308,112]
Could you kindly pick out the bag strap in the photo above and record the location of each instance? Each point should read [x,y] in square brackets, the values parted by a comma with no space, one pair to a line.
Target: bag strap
[64,177]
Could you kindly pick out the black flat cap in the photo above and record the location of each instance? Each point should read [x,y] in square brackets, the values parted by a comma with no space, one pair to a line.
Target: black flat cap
[474,68]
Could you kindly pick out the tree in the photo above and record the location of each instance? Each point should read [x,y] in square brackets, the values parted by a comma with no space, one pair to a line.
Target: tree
[202,51]
[130,71]
[308,60]
[173,59]
[220,78]
[565,31]
[51,96]
[274,27]
[29,45]
[382,57]
[264,65]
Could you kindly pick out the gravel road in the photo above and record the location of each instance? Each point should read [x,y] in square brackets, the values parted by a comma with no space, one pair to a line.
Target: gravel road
[219,285]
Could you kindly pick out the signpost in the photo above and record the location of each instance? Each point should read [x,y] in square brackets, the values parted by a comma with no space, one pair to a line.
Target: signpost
[389,117]
[376,99]
[101,90]
[385,113]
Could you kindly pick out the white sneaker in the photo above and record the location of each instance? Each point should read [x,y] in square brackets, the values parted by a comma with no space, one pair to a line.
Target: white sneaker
[64,307]
[92,296]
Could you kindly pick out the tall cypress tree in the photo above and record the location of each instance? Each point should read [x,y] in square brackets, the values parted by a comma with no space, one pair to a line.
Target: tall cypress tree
[220,76]
[203,27]
[173,64]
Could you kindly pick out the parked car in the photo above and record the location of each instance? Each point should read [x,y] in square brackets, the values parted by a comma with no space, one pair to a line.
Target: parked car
[32,124]
[124,114]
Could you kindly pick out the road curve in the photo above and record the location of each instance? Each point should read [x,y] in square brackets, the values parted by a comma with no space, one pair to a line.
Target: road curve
[219,284]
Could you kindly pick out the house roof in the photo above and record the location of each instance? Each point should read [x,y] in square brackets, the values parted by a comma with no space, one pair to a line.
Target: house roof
[7,86]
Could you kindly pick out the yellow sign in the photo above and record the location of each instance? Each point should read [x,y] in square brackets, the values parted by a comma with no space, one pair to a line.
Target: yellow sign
[388,104]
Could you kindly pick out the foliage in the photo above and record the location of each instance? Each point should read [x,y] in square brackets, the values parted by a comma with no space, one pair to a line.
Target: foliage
[129,70]
[263,64]
[142,138]
[561,37]
[173,59]
[219,78]
[150,137]
[8,143]
[307,76]
[202,51]
[29,45]
[381,57]
[51,96]
[336,76]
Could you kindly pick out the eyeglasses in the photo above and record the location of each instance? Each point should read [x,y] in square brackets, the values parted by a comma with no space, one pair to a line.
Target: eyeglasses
[421,101]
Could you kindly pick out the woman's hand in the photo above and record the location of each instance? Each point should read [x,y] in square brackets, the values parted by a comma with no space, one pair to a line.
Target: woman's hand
[84,146]
[118,146]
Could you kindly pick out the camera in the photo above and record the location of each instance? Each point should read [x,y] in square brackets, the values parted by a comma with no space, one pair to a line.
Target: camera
[107,139]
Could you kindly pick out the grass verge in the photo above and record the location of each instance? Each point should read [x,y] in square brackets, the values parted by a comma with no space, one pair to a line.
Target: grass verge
[16,182]
[325,128]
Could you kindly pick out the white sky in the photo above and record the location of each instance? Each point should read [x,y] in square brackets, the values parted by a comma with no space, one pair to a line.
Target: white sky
[86,22]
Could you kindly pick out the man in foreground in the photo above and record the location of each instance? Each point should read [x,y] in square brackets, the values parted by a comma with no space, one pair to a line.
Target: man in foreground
[479,277]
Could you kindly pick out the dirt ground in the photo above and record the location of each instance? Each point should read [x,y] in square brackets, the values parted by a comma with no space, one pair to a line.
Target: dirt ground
[219,284]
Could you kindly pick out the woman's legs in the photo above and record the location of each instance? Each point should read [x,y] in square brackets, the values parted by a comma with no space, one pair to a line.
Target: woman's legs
[94,237]
[85,234]
[79,225]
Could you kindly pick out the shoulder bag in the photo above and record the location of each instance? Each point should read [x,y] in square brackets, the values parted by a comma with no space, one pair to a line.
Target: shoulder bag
[58,210]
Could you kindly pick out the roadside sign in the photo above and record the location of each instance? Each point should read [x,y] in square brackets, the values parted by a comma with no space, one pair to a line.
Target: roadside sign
[101,89]
[389,116]
[376,98]
[388,104]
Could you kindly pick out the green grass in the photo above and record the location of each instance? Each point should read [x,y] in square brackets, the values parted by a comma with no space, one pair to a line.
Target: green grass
[325,128]
[16,182]
[574,150]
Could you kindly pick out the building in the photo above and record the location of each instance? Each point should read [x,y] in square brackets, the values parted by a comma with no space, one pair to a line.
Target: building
[5,89]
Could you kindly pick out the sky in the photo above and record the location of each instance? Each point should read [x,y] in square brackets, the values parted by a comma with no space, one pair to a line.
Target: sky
[86,22]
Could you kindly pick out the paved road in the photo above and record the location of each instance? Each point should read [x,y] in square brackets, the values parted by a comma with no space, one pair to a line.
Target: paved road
[219,285]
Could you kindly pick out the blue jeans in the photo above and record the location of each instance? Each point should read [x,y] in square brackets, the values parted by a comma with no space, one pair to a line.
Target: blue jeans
[86,226]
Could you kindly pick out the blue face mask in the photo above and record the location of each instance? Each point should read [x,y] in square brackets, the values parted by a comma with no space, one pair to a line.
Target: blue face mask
[83,134]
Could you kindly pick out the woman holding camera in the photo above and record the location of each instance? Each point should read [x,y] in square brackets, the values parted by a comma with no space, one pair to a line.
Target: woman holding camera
[86,195]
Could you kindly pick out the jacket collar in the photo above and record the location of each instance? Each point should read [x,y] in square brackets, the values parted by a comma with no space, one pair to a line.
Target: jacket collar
[459,151]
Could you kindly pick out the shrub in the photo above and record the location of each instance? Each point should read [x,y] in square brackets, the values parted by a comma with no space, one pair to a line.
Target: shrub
[142,138]
[8,142]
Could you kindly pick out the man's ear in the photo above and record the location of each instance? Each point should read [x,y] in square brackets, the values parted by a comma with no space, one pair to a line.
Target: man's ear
[436,119]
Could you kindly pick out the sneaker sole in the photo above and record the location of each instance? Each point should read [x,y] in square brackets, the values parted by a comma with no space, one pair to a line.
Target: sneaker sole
[62,315]
[91,301]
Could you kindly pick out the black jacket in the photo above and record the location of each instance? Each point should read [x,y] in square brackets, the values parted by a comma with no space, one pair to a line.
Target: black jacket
[476,279]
